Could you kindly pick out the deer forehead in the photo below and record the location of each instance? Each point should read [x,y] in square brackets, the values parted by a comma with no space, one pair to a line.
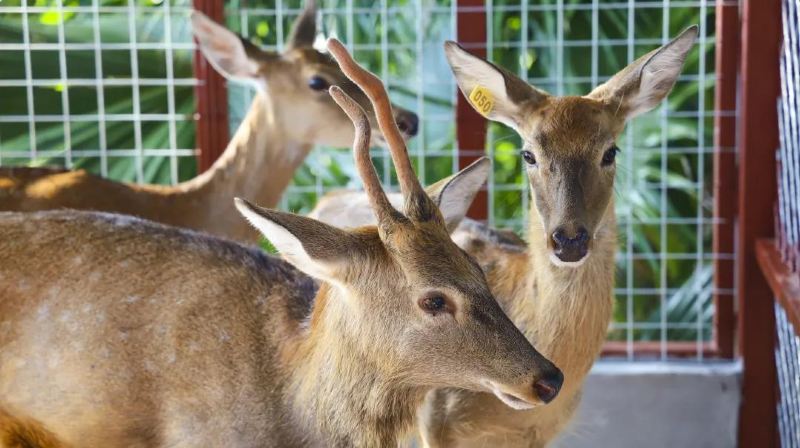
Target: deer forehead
[431,257]
[574,126]
[313,61]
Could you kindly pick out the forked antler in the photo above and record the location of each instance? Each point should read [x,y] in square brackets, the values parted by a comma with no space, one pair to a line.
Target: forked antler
[373,87]
[372,185]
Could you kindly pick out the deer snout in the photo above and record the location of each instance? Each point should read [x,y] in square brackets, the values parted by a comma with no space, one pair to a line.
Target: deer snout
[570,247]
[407,122]
[526,394]
[547,387]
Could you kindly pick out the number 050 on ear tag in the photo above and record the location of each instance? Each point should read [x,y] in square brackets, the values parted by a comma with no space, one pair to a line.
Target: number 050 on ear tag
[482,99]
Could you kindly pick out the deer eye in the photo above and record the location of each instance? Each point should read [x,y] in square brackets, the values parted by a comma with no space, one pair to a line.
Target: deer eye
[318,83]
[529,157]
[610,155]
[434,304]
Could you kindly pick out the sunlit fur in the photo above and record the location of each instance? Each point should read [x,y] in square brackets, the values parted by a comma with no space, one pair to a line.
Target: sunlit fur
[285,120]
[133,334]
[136,334]
[564,309]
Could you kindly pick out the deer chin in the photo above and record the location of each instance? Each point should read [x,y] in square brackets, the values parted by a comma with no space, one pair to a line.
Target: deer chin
[510,400]
[568,264]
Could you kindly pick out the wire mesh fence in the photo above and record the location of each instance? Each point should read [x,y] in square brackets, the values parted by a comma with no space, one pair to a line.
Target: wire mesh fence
[107,85]
[787,351]
[102,85]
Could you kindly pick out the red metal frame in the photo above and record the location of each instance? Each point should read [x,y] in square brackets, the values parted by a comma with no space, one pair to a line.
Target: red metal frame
[675,349]
[758,141]
[212,98]
[470,126]
[782,281]
[725,191]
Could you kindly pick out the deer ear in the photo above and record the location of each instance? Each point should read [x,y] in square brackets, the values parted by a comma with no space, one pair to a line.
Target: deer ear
[494,92]
[230,54]
[304,29]
[642,85]
[315,248]
[455,194]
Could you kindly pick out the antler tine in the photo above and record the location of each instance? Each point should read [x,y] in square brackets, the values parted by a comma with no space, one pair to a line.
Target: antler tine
[373,87]
[372,185]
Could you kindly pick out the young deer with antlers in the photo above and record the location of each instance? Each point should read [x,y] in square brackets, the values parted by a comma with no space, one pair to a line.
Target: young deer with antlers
[558,290]
[135,334]
[291,112]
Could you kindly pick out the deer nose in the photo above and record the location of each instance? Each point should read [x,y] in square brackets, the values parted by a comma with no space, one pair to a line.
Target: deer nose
[547,388]
[569,248]
[408,123]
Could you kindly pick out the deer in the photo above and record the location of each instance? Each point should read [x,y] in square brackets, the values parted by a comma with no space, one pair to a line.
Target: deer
[291,112]
[558,287]
[140,334]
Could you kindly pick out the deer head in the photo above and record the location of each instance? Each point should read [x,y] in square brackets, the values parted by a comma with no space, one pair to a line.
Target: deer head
[296,80]
[569,142]
[418,305]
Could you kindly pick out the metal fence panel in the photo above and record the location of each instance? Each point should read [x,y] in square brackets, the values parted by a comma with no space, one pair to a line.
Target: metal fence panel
[787,351]
[111,119]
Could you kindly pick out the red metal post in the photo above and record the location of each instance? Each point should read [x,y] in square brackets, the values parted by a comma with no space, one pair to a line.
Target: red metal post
[758,141]
[727,59]
[470,126]
[212,98]
[781,279]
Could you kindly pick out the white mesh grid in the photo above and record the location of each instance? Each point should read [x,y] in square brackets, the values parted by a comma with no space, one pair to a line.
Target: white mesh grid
[143,129]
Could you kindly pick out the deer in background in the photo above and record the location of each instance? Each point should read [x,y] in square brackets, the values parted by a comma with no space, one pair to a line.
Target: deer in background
[137,334]
[290,113]
[559,289]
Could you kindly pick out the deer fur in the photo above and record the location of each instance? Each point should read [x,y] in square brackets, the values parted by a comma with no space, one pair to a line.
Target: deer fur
[286,119]
[549,299]
[137,334]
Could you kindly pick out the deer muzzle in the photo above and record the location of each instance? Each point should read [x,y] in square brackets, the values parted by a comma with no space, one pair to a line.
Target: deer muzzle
[528,395]
[570,248]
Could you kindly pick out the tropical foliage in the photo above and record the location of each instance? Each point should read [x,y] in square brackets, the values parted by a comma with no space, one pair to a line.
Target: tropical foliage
[665,168]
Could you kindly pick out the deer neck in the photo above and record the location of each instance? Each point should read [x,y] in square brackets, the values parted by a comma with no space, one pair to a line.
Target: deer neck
[258,164]
[567,310]
[338,391]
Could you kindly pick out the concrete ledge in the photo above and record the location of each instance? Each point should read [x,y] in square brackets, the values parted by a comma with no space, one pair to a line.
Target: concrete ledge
[657,404]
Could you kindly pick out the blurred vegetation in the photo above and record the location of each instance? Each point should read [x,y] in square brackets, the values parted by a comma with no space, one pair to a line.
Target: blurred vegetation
[662,174]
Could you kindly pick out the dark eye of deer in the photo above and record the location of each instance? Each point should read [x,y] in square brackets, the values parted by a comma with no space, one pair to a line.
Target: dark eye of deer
[318,83]
[610,155]
[529,158]
[433,304]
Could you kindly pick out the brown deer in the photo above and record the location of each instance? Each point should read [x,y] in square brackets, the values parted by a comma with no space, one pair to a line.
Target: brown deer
[559,289]
[291,112]
[137,334]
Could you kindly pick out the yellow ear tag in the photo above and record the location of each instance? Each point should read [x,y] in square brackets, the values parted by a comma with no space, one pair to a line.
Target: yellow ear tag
[482,99]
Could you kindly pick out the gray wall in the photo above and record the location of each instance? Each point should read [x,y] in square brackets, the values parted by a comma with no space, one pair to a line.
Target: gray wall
[657,405]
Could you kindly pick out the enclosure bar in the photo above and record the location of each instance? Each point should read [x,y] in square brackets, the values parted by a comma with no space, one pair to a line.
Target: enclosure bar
[99,88]
[212,98]
[725,185]
[173,132]
[663,113]
[780,278]
[675,349]
[470,126]
[26,40]
[758,141]
[62,71]
[136,92]
[419,49]
[628,157]
[701,181]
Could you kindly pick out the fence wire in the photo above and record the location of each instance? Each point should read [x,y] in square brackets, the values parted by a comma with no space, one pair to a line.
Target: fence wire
[106,85]
[787,351]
